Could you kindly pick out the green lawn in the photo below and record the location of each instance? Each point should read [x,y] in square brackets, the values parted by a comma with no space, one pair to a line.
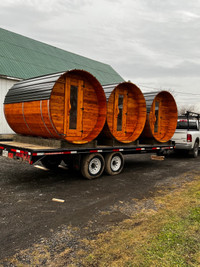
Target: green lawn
[167,237]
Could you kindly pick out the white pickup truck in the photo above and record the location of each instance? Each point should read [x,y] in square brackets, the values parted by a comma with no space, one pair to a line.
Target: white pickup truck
[187,134]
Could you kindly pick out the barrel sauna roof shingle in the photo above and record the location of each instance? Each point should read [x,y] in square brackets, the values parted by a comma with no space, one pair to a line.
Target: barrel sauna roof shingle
[149,97]
[38,88]
[108,88]
[22,57]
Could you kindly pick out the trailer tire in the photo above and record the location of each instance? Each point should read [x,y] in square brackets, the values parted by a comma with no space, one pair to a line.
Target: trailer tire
[51,162]
[92,165]
[114,163]
[195,151]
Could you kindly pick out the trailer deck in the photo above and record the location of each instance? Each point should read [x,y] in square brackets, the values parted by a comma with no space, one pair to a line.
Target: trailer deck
[32,153]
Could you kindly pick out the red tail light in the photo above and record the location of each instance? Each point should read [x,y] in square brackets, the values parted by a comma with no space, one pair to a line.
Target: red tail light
[189,138]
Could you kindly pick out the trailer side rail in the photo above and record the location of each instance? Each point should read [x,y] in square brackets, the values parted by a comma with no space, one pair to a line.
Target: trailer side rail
[33,155]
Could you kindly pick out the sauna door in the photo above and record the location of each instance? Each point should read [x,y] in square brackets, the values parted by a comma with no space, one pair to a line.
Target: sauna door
[73,123]
[120,113]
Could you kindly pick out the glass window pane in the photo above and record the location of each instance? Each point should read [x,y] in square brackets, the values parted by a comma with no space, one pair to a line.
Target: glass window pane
[120,115]
[156,114]
[74,104]
[184,124]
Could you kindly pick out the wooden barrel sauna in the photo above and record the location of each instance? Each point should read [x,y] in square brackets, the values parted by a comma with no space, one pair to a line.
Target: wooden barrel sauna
[68,105]
[126,112]
[161,116]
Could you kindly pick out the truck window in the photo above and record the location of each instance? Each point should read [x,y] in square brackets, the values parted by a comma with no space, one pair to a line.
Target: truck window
[184,125]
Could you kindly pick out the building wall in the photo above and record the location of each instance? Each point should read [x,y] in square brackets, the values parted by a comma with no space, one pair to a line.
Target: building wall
[5,85]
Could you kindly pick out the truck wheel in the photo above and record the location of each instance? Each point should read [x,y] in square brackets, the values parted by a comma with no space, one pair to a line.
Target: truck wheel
[114,163]
[195,151]
[51,162]
[92,165]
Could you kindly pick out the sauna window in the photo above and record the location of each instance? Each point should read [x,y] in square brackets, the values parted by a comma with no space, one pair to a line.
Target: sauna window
[157,118]
[120,114]
[73,104]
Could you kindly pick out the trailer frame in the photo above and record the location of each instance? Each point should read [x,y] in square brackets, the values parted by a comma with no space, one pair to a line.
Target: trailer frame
[33,153]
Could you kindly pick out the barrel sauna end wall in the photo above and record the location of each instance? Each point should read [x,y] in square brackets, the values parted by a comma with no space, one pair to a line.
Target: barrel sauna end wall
[126,113]
[162,116]
[69,105]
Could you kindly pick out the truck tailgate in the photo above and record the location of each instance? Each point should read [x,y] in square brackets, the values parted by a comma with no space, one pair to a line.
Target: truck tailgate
[180,136]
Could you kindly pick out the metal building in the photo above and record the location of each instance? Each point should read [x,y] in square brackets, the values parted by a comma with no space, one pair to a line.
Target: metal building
[5,84]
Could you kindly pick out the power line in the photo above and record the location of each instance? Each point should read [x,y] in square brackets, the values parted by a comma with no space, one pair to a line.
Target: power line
[174,91]
[186,93]
[153,88]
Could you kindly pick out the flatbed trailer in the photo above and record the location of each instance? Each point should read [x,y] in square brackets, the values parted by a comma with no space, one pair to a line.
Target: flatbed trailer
[91,161]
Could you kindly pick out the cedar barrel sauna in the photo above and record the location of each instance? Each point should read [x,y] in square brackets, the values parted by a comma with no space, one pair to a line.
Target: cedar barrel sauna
[126,112]
[162,116]
[68,105]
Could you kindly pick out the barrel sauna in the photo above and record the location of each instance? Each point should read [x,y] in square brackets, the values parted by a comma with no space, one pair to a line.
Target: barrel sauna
[126,112]
[68,105]
[161,116]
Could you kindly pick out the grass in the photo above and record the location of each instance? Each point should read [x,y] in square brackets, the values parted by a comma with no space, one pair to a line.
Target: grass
[168,237]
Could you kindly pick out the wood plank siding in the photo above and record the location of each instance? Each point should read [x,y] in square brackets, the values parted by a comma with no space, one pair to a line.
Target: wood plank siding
[75,110]
[162,116]
[126,113]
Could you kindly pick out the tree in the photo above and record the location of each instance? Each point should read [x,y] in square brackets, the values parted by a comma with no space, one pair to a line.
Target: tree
[191,107]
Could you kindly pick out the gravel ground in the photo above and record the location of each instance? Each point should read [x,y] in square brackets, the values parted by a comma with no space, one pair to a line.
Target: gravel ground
[31,221]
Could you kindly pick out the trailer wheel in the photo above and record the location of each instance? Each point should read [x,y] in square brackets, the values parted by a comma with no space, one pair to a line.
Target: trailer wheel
[51,162]
[92,165]
[114,163]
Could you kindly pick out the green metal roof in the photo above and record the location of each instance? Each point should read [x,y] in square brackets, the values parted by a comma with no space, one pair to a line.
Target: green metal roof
[22,57]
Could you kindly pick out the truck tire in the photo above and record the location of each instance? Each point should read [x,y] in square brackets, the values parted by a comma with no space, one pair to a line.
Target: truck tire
[114,163]
[92,165]
[195,151]
[51,162]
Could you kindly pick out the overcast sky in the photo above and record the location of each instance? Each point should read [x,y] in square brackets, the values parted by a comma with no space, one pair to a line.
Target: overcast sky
[153,43]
